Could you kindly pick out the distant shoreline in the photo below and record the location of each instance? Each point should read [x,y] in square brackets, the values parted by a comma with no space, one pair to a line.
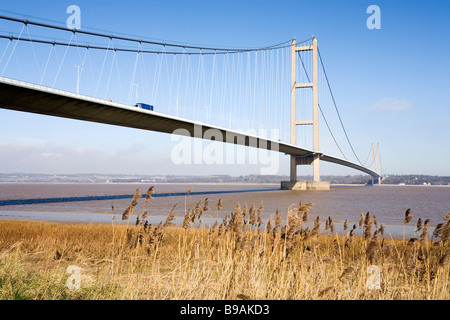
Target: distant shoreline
[413,185]
[215,183]
[145,182]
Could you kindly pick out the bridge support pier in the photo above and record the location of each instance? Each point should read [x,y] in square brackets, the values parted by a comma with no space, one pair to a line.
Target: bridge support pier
[305,185]
[316,184]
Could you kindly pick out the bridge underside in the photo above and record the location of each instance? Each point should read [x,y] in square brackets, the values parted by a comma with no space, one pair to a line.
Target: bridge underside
[26,97]
[67,105]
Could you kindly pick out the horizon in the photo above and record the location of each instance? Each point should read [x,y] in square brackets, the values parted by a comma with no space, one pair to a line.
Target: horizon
[208,175]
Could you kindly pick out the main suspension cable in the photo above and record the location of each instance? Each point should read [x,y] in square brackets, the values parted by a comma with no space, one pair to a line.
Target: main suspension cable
[143,41]
[335,106]
[323,115]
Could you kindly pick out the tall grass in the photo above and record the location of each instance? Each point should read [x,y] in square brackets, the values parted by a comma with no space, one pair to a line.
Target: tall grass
[238,257]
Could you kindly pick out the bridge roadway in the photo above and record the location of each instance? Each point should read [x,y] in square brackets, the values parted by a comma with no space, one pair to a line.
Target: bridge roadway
[27,97]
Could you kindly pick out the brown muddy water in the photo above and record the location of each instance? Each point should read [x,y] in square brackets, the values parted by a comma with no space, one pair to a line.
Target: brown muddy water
[99,203]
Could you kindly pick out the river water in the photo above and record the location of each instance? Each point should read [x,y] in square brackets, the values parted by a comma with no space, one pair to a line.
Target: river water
[100,203]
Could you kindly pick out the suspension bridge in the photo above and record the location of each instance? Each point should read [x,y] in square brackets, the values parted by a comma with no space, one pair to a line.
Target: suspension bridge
[100,77]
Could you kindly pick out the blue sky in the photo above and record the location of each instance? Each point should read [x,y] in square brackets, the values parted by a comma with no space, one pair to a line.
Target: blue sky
[391,85]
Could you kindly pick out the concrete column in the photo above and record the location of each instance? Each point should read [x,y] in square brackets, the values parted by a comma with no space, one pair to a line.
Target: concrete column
[293,109]
[316,147]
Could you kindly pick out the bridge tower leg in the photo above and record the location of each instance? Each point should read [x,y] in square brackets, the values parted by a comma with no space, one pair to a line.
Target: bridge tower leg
[316,147]
[314,158]
[293,110]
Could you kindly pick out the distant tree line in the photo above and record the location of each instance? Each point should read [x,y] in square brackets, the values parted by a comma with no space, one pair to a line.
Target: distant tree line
[121,178]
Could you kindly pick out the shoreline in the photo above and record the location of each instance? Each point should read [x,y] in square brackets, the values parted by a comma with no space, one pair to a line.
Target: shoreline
[214,183]
[413,185]
[137,183]
[198,226]
[392,231]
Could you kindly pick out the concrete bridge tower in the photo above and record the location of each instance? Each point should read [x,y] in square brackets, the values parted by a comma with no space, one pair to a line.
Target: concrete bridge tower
[314,158]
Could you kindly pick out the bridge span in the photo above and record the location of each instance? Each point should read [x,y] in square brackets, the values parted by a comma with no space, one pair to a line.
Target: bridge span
[27,97]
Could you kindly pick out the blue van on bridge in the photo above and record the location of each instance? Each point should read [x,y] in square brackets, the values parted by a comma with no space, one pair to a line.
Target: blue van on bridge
[144,106]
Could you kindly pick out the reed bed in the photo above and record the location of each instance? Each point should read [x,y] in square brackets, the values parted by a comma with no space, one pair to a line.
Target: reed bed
[238,257]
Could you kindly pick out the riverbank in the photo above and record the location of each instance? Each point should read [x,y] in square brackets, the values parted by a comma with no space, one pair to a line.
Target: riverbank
[413,185]
[394,231]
